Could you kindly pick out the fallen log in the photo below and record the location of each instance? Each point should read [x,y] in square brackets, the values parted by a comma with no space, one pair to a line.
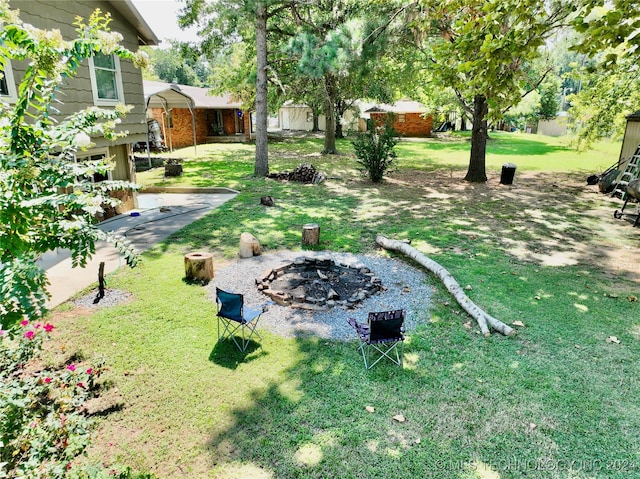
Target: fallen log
[483,319]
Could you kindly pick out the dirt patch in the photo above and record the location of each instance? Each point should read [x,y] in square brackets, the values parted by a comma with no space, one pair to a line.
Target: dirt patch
[553,219]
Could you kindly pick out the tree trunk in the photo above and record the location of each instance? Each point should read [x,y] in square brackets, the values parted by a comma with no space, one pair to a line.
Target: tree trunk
[316,121]
[477,169]
[484,320]
[340,109]
[262,148]
[330,115]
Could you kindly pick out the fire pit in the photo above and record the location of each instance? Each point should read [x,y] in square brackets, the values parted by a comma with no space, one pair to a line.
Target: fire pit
[319,284]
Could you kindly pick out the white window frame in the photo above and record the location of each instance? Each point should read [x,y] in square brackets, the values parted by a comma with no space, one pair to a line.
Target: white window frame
[84,155]
[12,95]
[97,101]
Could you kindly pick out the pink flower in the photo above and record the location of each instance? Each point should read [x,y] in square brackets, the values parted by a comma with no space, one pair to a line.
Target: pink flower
[2,332]
[80,385]
[24,322]
[29,335]
[48,327]
[71,367]
[37,326]
[89,371]
[47,380]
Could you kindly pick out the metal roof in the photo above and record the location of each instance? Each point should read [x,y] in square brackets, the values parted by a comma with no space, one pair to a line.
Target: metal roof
[199,96]
[166,96]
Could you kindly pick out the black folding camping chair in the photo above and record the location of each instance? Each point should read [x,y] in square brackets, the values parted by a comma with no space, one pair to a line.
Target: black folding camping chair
[382,337]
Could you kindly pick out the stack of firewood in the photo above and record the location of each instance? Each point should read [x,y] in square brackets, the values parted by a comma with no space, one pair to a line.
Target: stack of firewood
[304,173]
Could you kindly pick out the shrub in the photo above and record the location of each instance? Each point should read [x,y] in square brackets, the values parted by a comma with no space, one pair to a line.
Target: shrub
[44,424]
[375,150]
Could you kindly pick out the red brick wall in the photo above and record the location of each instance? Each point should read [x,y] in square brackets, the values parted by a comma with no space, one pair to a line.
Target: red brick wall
[182,127]
[408,124]
[229,122]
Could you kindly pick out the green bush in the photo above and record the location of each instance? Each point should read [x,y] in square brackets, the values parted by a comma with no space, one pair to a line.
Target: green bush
[43,421]
[375,150]
[44,424]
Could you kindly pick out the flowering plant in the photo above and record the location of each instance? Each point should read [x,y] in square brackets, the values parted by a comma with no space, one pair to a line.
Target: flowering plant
[46,198]
[43,420]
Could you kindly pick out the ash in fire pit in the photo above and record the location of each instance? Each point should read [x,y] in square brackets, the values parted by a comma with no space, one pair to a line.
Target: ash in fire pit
[319,284]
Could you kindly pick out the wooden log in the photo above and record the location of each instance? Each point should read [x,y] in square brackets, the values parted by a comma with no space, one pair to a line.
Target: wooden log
[311,234]
[198,266]
[249,246]
[483,319]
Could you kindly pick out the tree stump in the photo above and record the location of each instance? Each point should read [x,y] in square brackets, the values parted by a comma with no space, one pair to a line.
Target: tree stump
[249,246]
[267,201]
[198,266]
[311,234]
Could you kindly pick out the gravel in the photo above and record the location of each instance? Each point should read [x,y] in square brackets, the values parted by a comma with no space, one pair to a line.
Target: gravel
[407,288]
[112,297]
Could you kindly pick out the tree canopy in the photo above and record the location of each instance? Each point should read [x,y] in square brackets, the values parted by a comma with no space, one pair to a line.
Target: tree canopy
[481,49]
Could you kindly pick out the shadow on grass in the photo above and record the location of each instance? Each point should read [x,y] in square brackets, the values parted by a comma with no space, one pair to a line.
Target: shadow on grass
[226,354]
[460,416]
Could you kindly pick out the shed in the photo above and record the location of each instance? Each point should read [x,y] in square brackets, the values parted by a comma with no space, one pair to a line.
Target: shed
[631,138]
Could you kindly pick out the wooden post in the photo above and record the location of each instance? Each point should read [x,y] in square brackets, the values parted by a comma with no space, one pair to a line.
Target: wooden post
[311,234]
[249,246]
[100,294]
[198,266]
[101,280]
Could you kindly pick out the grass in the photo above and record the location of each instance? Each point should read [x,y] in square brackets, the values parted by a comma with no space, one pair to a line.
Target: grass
[557,401]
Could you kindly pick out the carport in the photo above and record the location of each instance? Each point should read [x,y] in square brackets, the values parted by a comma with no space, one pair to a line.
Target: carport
[166,97]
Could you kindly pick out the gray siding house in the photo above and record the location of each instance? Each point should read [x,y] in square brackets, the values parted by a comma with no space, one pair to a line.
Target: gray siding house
[102,81]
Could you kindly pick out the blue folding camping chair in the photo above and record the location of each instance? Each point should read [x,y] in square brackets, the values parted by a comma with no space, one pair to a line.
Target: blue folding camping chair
[234,317]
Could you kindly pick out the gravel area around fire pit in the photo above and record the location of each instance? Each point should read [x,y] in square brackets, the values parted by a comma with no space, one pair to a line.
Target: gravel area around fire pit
[407,288]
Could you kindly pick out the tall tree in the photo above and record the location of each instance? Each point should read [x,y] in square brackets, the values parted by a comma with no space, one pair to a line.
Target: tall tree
[335,44]
[176,65]
[226,22]
[480,48]
[262,141]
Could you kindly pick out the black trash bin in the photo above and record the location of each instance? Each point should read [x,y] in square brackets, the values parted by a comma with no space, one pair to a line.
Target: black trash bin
[508,172]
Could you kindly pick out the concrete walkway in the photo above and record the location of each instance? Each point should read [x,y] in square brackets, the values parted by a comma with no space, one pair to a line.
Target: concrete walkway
[161,214]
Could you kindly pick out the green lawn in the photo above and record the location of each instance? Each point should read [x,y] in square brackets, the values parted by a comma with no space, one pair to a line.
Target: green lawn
[556,401]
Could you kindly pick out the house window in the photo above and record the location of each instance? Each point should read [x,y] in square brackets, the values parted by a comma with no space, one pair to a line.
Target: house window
[106,79]
[7,84]
[402,118]
[310,117]
[95,155]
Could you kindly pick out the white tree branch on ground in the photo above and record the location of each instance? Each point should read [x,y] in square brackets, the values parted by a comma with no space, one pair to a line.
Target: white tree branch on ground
[483,319]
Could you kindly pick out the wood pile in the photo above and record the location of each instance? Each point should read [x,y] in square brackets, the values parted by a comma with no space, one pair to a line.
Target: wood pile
[304,173]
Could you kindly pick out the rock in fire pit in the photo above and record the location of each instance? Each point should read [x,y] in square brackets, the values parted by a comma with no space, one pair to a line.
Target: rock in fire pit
[319,284]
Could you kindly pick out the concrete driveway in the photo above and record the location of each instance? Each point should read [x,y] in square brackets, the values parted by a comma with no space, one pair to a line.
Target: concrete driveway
[160,215]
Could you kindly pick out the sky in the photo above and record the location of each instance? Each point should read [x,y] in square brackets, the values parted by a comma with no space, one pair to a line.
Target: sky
[161,16]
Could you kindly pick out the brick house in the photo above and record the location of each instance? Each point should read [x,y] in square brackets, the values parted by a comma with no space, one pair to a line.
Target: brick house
[189,116]
[411,117]
[103,81]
